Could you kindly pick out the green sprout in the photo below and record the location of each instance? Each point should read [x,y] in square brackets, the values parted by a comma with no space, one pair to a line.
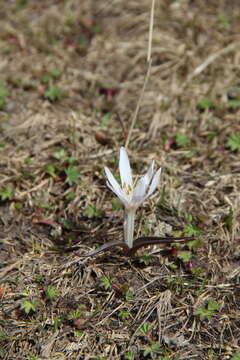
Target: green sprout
[53,93]
[106,282]
[72,175]
[152,349]
[3,95]
[92,212]
[208,312]
[234,142]
[29,305]
[205,103]
[145,329]
[123,314]
[6,193]
[51,293]
[182,140]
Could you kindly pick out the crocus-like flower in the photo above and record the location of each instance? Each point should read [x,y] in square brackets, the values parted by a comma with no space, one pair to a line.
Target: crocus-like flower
[131,196]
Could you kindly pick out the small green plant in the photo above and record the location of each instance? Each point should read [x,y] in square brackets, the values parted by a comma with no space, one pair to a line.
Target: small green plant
[208,312]
[152,349]
[185,256]
[72,175]
[51,293]
[116,205]
[92,212]
[51,75]
[190,229]
[106,282]
[233,104]
[6,193]
[225,20]
[234,142]
[3,96]
[145,329]
[236,356]
[182,140]
[145,259]
[123,314]
[29,305]
[60,155]
[129,355]
[51,170]
[205,103]
[53,93]
[70,195]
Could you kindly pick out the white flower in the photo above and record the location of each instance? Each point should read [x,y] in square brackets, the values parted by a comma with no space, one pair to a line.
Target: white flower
[132,196]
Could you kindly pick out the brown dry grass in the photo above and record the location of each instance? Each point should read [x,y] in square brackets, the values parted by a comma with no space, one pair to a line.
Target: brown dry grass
[97,46]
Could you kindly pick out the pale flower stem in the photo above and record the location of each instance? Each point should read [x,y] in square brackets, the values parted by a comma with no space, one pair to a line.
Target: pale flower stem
[129,227]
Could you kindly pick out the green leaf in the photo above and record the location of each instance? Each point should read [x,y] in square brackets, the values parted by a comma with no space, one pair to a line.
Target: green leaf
[205,103]
[106,282]
[29,305]
[185,256]
[182,140]
[234,142]
[152,349]
[70,195]
[145,259]
[194,244]
[6,193]
[91,211]
[50,170]
[129,356]
[144,329]
[234,104]
[213,305]
[236,356]
[60,155]
[72,174]
[123,314]
[51,293]
[192,230]
[53,93]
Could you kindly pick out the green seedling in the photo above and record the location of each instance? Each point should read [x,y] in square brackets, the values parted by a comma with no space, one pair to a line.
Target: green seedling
[116,205]
[60,155]
[145,329]
[51,75]
[123,314]
[29,305]
[208,312]
[53,93]
[205,103]
[152,349]
[70,195]
[51,293]
[2,146]
[51,170]
[233,142]
[145,259]
[92,212]
[6,194]
[236,356]
[106,282]
[129,355]
[3,95]
[233,104]
[225,20]
[182,140]
[72,175]
[185,256]
[192,230]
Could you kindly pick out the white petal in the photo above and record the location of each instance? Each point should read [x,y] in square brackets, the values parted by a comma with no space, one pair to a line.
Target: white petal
[142,185]
[114,186]
[155,183]
[119,195]
[125,169]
